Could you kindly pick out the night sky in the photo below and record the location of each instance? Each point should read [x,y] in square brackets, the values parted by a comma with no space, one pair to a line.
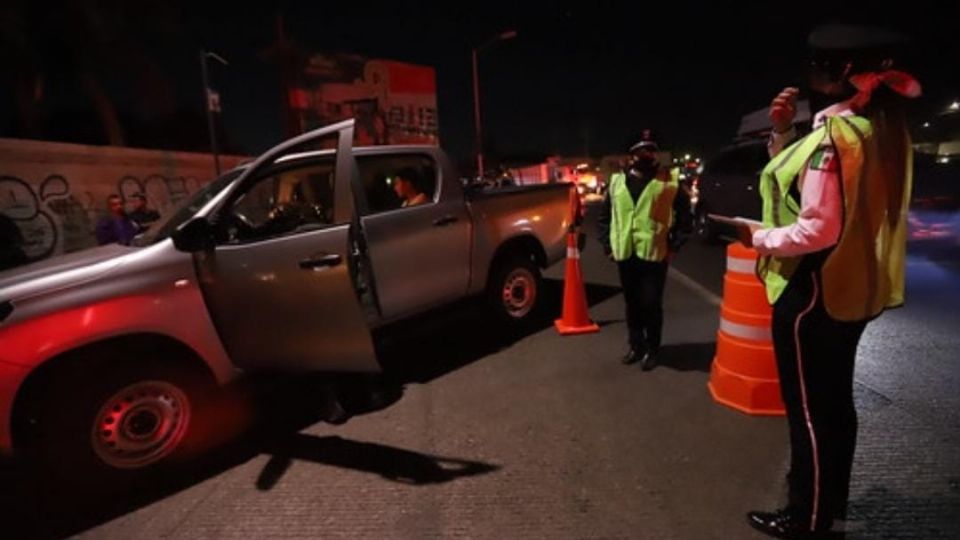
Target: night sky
[578,78]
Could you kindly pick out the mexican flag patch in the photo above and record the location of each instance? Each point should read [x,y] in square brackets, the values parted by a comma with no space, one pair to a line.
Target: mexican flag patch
[824,159]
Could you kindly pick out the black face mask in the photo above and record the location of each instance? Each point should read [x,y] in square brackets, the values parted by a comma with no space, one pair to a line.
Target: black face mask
[828,68]
[819,102]
[646,165]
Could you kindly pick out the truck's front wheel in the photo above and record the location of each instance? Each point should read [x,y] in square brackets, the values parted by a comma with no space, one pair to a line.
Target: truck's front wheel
[141,424]
[514,290]
[115,421]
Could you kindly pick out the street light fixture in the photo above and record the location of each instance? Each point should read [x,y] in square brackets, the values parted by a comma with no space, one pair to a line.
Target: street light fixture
[510,34]
[211,101]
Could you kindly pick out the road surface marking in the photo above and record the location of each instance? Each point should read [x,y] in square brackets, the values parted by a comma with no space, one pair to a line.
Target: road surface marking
[699,289]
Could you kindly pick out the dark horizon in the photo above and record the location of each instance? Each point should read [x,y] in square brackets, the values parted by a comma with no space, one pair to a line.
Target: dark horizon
[576,80]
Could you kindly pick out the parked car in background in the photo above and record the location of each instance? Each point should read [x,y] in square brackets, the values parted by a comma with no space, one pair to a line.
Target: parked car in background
[728,186]
[934,222]
[589,185]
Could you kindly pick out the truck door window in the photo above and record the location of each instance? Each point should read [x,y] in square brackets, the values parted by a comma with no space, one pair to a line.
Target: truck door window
[397,182]
[286,202]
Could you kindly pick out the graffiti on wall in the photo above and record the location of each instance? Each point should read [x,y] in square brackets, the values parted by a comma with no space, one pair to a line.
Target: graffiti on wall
[163,193]
[53,217]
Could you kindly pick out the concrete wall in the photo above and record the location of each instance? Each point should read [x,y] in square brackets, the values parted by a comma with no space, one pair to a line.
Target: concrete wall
[56,192]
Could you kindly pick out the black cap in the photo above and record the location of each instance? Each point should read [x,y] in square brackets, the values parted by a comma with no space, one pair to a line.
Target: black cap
[843,49]
[647,141]
[848,37]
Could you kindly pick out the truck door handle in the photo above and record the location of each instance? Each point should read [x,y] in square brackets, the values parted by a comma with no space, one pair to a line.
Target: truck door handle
[444,221]
[320,261]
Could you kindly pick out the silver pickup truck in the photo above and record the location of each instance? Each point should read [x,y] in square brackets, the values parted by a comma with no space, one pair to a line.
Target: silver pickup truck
[289,263]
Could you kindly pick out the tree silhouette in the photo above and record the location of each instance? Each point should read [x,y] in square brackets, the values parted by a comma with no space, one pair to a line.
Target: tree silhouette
[97,49]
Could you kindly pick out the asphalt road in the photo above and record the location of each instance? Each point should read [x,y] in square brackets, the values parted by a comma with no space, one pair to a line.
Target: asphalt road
[542,436]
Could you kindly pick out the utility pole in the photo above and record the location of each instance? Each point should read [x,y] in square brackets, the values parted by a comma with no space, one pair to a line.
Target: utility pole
[211,104]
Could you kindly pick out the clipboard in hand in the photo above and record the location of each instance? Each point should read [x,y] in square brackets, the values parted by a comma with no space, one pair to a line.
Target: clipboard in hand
[734,221]
[743,226]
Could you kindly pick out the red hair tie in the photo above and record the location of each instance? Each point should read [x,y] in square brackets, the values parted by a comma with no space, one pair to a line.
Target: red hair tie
[900,82]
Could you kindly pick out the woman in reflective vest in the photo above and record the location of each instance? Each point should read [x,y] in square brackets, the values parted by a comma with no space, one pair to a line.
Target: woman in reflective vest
[832,250]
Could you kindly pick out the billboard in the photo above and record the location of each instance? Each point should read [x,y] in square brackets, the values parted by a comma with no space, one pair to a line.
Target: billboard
[392,102]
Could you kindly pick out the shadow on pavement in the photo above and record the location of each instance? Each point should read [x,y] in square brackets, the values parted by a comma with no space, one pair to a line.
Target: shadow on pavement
[687,356]
[390,463]
[275,409]
[428,347]
[46,509]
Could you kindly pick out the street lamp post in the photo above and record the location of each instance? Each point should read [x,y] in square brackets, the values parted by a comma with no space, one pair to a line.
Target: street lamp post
[476,94]
[211,102]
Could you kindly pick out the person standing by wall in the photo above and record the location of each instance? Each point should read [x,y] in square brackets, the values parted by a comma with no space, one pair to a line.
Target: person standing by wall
[116,228]
[142,215]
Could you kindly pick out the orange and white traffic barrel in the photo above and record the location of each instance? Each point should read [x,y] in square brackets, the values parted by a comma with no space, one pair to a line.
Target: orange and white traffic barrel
[744,372]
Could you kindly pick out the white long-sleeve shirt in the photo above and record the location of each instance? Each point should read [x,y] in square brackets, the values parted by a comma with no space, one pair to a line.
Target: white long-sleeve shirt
[821,203]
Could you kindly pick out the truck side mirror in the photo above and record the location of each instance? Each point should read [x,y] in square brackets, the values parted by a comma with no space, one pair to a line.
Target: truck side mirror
[197,234]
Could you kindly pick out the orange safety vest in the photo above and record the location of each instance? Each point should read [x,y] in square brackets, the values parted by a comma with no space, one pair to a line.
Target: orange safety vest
[864,273]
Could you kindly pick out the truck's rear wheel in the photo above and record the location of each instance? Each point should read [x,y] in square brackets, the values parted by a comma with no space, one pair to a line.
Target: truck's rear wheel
[115,421]
[514,290]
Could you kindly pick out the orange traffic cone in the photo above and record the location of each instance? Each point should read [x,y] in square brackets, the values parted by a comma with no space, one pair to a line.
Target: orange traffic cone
[744,372]
[575,319]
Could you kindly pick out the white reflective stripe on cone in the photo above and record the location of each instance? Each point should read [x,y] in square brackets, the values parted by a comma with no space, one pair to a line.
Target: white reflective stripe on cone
[745,331]
[573,253]
[741,266]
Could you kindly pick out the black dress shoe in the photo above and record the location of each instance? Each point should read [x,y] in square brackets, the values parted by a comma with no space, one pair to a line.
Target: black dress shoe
[630,357]
[649,361]
[783,524]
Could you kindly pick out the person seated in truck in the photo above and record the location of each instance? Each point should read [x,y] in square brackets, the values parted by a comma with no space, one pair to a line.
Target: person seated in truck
[406,184]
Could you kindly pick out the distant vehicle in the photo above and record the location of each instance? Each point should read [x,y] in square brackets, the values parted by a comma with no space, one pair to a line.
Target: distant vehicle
[689,175]
[934,222]
[589,185]
[728,186]
[285,264]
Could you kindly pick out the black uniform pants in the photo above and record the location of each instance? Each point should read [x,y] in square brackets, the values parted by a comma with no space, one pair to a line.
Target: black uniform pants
[643,283]
[815,358]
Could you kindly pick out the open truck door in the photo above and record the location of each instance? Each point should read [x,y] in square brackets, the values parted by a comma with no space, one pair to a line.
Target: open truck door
[278,277]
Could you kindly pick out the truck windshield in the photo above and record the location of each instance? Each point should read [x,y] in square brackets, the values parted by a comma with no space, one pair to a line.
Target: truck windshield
[162,229]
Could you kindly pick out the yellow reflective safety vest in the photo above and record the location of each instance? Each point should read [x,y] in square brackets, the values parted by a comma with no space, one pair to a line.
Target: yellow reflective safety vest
[864,273]
[641,228]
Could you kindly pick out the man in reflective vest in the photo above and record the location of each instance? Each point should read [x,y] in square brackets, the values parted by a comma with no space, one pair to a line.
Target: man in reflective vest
[832,249]
[644,220]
